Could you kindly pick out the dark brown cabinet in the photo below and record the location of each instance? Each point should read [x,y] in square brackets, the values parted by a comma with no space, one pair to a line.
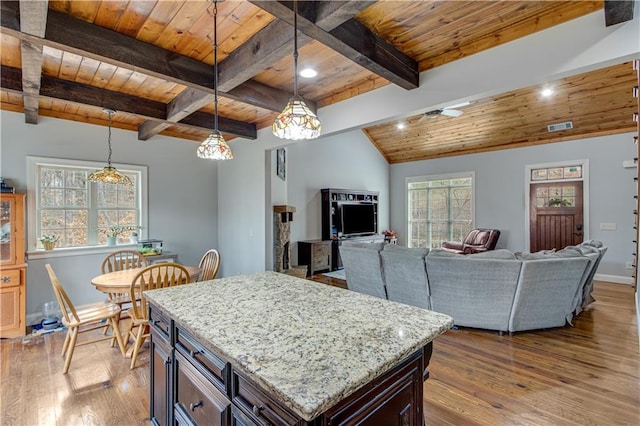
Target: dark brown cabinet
[191,385]
[161,370]
[198,401]
[316,254]
[333,216]
[349,215]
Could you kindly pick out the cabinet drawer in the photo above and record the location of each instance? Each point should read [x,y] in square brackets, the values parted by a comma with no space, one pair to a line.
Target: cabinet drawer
[160,323]
[259,405]
[197,399]
[10,278]
[321,249]
[212,366]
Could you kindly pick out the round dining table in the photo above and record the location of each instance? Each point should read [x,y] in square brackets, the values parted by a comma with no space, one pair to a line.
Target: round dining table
[120,281]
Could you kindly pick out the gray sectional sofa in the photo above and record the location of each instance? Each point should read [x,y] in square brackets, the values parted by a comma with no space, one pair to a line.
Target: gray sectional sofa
[496,290]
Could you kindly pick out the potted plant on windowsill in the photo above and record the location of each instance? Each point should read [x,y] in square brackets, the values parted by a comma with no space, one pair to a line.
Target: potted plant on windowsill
[49,241]
[114,231]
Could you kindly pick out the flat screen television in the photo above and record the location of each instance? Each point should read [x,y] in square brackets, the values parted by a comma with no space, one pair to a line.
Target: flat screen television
[358,219]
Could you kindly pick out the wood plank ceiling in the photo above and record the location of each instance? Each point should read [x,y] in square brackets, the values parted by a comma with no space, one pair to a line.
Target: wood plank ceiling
[152,62]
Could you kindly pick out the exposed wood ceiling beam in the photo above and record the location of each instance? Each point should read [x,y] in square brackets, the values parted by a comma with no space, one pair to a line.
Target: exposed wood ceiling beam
[275,42]
[352,40]
[617,11]
[33,21]
[73,35]
[55,88]
[264,49]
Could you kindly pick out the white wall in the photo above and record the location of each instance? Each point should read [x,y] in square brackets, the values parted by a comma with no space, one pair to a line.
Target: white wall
[183,199]
[500,191]
[347,161]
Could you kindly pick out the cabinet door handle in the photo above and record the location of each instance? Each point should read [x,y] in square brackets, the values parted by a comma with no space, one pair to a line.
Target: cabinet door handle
[256,410]
[193,406]
[5,279]
[194,353]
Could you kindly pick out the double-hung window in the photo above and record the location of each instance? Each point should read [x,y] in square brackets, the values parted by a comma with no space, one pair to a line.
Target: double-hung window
[62,202]
[440,208]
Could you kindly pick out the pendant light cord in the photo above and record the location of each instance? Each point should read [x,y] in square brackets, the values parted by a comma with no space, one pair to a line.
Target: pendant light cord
[109,139]
[215,64]
[295,48]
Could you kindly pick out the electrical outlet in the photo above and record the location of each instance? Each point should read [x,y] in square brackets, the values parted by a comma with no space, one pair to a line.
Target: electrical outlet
[629,265]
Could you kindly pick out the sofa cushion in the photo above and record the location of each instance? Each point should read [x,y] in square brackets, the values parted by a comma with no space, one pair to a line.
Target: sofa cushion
[412,251]
[493,254]
[360,244]
[592,243]
[438,252]
[405,277]
[545,254]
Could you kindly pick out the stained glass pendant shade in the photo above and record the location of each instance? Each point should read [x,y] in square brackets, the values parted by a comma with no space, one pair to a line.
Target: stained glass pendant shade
[109,174]
[296,121]
[214,146]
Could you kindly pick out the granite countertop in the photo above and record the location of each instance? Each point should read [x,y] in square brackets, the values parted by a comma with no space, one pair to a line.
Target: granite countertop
[309,344]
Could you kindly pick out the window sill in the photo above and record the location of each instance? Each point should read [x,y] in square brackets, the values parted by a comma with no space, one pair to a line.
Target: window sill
[80,251]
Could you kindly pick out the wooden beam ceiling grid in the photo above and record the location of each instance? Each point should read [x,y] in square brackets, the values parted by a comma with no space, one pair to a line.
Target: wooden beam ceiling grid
[184,27]
[420,29]
[338,78]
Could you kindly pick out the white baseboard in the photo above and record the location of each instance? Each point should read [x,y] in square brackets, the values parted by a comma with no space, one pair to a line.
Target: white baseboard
[618,279]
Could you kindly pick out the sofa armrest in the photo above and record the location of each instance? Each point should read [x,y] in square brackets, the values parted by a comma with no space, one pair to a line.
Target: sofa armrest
[452,245]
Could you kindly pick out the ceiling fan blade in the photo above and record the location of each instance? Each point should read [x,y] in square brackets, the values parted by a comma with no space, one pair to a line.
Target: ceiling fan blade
[452,112]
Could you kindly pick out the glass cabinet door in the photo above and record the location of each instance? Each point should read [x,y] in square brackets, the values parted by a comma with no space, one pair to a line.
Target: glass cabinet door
[7,217]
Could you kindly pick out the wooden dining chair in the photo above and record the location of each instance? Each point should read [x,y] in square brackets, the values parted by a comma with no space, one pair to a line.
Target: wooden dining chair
[209,265]
[118,261]
[84,319]
[159,275]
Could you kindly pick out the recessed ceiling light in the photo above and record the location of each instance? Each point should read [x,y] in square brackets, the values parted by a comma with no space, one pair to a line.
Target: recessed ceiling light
[308,73]
[547,92]
[400,126]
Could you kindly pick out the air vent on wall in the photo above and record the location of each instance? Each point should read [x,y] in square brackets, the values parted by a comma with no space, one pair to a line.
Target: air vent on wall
[560,126]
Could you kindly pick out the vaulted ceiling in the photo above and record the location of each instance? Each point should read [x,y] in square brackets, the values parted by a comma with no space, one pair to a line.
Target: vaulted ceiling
[152,61]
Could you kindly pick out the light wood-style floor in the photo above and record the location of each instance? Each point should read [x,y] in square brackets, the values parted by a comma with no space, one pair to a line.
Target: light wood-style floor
[588,374]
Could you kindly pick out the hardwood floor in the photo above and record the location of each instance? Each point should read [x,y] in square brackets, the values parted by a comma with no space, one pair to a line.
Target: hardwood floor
[588,374]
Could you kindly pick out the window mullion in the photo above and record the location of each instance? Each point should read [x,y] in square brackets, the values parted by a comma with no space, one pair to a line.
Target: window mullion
[92,222]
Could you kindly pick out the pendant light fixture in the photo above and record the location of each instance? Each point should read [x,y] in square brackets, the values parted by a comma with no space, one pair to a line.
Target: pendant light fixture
[109,174]
[214,146]
[296,121]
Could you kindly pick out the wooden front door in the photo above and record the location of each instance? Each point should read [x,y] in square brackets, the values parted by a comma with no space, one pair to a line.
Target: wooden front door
[555,215]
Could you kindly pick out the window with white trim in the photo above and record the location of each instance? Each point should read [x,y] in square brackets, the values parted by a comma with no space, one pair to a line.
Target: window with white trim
[64,203]
[440,208]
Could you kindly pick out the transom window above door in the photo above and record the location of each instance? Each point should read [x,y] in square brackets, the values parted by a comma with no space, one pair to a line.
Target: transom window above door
[556,173]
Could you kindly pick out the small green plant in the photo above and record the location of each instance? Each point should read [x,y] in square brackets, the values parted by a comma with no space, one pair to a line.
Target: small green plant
[49,241]
[49,238]
[115,230]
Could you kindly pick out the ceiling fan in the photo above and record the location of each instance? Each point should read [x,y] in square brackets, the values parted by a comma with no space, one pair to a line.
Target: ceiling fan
[449,111]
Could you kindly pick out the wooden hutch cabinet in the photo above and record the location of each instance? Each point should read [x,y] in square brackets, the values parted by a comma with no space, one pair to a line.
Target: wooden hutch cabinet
[12,266]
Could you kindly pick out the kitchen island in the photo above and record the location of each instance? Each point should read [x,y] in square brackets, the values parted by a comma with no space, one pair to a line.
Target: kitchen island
[268,348]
